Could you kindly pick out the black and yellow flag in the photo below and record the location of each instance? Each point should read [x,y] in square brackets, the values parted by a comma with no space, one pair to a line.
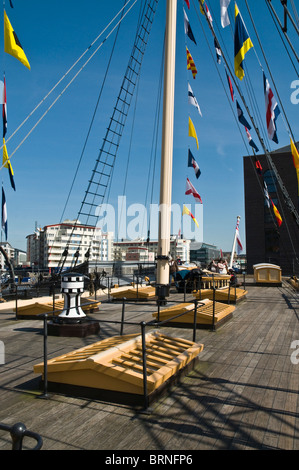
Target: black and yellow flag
[6,163]
[12,44]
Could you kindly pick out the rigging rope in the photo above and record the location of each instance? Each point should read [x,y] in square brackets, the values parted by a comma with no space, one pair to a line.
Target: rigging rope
[67,86]
[93,117]
[271,164]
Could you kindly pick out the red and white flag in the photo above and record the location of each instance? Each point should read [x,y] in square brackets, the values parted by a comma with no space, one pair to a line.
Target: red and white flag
[191,190]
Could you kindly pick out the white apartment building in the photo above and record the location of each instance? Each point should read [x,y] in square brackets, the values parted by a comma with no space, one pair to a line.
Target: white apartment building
[45,248]
[143,251]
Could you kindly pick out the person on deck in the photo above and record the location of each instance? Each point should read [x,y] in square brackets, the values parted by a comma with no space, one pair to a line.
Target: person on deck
[173,269]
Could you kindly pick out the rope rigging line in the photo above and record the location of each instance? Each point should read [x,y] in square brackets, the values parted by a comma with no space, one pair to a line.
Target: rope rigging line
[283,29]
[93,117]
[67,86]
[101,177]
[89,130]
[287,124]
[269,163]
[282,39]
[287,198]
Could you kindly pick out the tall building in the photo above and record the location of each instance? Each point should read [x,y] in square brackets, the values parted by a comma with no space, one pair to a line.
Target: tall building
[46,246]
[266,242]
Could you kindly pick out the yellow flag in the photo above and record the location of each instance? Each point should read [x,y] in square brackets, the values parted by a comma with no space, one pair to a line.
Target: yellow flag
[186,211]
[201,3]
[192,131]
[12,44]
[295,156]
[6,163]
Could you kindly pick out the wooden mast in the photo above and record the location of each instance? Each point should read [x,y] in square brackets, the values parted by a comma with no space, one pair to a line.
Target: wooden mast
[166,152]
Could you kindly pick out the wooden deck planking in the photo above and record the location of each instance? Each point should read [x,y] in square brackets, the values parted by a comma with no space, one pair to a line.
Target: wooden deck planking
[243,393]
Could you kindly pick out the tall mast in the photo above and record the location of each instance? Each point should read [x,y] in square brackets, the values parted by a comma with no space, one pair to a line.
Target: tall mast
[234,244]
[167,149]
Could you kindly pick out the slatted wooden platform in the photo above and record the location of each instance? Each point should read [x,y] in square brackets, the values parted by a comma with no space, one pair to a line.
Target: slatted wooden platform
[116,365]
[205,317]
[31,311]
[142,293]
[224,294]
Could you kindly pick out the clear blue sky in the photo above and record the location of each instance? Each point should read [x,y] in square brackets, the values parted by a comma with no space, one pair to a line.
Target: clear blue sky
[55,33]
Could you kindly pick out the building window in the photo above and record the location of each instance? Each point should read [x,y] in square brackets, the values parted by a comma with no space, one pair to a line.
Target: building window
[271,242]
[270,180]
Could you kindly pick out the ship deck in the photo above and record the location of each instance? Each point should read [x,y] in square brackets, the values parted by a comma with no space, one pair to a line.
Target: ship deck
[241,395]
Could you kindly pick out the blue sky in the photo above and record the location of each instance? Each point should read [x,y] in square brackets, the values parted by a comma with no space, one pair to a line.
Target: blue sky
[54,34]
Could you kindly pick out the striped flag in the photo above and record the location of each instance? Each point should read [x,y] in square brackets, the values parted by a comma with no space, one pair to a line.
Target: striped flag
[7,164]
[277,214]
[4,109]
[241,116]
[250,141]
[230,85]
[190,63]
[238,239]
[272,111]
[266,193]
[242,44]
[191,190]
[188,30]
[4,214]
[192,163]
[218,51]
[192,100]
[186,211]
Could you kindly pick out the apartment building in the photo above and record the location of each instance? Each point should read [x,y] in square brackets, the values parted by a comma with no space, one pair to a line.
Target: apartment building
[46,248]
[146,251]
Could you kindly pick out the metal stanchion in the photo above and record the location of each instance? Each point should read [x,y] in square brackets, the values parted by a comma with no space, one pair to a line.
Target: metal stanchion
[122,317]
[195,320]
[213,324]
[145,395]
[45,394]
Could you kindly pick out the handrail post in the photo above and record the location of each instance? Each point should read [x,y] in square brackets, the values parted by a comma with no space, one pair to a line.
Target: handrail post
[122,317]
[195,320]
[144,365]
[45,394]
[16,286]
[185,290]
[17,434]
[213,324]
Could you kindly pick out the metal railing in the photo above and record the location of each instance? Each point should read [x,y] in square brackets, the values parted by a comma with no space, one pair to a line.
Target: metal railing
[17,432]
[142,325]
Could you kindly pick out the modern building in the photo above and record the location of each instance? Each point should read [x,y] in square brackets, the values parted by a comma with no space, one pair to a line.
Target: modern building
[142,251]
[46,247]
[266,242]
[203,253]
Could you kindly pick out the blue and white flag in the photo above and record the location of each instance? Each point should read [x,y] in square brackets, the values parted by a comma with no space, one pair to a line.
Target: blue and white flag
[4,214]
[188,30]
[192,163]
[250,141]
[272,111]
[241,117]
[192,100]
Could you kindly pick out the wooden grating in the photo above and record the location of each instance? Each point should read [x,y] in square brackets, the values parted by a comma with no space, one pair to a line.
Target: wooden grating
[117,363]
